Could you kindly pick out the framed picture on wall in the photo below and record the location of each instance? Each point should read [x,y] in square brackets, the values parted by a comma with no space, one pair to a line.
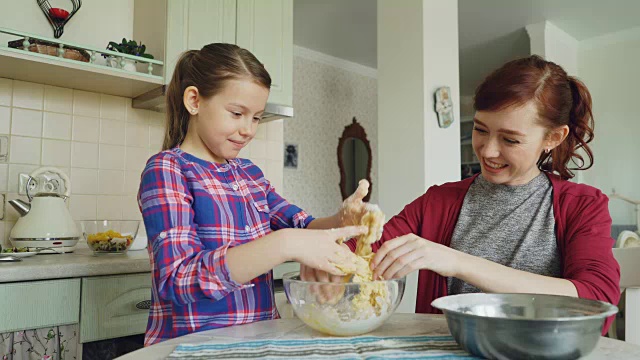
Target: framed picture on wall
[290,156]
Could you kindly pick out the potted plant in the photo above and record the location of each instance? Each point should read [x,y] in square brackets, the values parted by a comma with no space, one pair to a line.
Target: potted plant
[130,47]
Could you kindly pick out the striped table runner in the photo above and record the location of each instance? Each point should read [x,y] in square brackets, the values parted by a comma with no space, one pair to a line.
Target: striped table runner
[365,347]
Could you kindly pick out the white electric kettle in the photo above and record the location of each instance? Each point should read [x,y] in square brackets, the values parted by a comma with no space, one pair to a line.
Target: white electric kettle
[45,221]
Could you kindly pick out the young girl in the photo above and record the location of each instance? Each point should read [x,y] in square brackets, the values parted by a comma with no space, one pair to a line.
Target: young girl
[209,216]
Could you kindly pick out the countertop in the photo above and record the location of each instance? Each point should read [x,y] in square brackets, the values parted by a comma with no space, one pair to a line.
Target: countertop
[79,263]
[396,325]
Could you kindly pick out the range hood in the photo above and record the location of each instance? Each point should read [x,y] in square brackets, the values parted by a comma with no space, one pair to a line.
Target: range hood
[154,100]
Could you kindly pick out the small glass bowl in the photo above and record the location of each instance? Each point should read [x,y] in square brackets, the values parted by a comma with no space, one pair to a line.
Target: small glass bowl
[109,236]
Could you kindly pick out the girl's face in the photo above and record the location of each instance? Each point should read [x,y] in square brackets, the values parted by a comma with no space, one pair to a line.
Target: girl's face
[509,142]
[227,122]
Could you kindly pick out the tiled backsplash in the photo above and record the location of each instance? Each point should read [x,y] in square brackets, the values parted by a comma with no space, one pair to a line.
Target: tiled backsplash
[100,141]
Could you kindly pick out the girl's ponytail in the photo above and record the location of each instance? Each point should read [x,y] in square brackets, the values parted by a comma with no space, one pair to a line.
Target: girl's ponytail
[177,121]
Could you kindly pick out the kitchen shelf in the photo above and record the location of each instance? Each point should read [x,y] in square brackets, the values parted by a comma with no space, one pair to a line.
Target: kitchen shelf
[19,64]
[470,163]
[466,118]
[465,142]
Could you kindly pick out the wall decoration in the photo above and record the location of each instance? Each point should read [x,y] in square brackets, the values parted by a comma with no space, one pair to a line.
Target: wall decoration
[444,107]
[354,159]
[58,17]
[290,156]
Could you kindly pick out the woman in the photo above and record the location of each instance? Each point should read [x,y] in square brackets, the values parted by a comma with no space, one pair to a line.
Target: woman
[519,226]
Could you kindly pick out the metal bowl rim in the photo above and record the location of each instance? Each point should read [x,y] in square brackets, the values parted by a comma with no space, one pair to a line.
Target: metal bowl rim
[288,277]
[612,310]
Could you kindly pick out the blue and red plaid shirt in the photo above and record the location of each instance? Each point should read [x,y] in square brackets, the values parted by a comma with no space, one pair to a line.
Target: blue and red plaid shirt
[193,211]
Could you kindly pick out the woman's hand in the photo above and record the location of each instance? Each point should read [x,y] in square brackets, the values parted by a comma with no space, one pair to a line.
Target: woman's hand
[319,250]
[353,208]
[405,254]
[330,294]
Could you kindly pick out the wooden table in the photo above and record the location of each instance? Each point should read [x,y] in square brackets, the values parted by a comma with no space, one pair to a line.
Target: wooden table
[397,325]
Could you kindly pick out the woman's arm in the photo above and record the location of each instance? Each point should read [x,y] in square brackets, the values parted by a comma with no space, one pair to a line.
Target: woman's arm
[405,254]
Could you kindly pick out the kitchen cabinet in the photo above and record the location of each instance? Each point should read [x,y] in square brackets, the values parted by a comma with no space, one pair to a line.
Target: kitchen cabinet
[263,27]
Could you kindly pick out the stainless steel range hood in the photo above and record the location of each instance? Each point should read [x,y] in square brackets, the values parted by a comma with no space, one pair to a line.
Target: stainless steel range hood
[154,100]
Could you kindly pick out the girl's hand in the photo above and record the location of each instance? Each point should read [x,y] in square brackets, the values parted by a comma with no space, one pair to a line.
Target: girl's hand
[353,207]
[405,254]
[318,249]
[330,294]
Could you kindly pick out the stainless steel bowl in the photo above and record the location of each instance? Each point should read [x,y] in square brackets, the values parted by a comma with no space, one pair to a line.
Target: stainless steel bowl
[525,326]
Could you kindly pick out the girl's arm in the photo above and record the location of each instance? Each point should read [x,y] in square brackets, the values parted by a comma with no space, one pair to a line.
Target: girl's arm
[185,271]
[313,248]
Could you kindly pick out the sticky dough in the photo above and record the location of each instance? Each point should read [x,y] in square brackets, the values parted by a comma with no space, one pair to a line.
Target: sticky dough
[372,295]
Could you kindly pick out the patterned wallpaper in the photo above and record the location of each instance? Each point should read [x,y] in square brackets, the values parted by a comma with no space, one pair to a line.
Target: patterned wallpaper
[325,99]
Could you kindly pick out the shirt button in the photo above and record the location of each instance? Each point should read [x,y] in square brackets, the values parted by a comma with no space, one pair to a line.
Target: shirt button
[235,187]
[163,235]
[247,228]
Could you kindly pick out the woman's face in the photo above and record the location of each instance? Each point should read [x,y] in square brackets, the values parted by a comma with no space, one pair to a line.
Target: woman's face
[508,144]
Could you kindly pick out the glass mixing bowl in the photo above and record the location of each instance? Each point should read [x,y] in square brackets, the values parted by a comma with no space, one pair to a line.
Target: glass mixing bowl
[343,309]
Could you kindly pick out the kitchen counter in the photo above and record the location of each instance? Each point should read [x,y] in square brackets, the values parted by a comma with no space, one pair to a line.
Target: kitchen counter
[396,325]
[80,263]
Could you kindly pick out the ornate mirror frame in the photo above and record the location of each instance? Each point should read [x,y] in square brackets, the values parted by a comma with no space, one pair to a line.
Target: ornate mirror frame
[354,130]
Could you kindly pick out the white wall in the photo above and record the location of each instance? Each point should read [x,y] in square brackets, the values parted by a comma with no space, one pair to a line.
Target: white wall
[95,24]
[417,53]
[609,67]
[327,93]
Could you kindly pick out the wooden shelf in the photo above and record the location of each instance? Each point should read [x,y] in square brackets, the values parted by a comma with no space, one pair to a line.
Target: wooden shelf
[465,142]
[466,118]
[21,65]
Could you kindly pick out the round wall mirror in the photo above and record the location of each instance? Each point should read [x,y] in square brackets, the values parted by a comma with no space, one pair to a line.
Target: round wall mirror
[354,159]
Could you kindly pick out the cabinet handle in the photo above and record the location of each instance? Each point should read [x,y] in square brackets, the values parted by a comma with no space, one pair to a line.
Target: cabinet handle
[144,305]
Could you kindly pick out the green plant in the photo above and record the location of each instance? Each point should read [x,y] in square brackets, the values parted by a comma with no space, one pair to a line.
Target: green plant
[130,47]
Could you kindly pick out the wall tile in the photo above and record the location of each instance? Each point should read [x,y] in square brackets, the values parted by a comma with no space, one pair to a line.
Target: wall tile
[156,137]
[83,207]
[275,150]
[132,182]
[112,132]
[26,122]
[111,182]
[86,103]
[5,120]
[137,135]
[84,181]
[56,126]
[155,118]
[4,240]
[84,155]
[25,150]
[14,175]
[86,129]
[130,209]
[6,91]
[274,172]
[137,116]
[4,177]
[258,148]
[113,107]
[275,130]
[57,99]
[111,157]
[109,207]
[261,133]
[56,153]
[28,95]
[136,158]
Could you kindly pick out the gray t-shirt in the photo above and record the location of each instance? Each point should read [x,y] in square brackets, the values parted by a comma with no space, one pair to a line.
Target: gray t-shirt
[509,225]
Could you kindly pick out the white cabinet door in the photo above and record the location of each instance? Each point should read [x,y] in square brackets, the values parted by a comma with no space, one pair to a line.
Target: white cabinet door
[192,24]
[265,27]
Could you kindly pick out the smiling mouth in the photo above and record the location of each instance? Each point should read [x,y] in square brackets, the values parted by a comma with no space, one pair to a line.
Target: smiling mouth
[494,165]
